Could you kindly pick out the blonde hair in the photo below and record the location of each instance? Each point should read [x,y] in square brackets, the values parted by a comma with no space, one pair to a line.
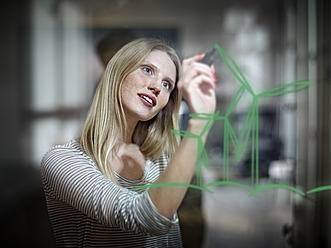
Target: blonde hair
[106,122]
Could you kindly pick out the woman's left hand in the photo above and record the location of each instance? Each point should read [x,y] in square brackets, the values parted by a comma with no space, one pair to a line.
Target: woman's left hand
[198,84]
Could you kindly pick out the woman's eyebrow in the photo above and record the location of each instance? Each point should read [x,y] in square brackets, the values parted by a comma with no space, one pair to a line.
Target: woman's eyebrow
[155,67]
[170,80]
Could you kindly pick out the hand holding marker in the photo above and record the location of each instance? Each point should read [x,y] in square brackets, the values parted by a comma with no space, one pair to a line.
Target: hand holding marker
[210,57]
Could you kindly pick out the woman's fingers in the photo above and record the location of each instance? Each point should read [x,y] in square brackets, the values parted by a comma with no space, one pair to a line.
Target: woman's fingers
[195,58]
[204,81]
[198,84]
[192,72]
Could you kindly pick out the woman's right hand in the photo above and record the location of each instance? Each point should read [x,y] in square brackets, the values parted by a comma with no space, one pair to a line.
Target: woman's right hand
[198,84]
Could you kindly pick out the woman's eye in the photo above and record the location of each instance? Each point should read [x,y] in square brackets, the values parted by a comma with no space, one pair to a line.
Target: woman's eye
[147,70]
[166,85]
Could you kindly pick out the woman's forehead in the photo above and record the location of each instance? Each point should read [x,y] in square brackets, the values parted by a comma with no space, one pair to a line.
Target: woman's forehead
[162,61]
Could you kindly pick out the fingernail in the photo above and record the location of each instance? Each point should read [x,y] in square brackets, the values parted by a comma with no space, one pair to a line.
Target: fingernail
[215,77]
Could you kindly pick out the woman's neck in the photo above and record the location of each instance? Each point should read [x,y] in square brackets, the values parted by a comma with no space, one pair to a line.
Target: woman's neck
[128,137]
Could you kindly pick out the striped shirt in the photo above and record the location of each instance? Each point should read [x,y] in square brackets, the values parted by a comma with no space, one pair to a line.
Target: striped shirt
[88,209]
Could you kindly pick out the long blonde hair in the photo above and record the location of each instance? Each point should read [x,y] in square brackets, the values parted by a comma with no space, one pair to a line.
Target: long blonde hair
[106,121]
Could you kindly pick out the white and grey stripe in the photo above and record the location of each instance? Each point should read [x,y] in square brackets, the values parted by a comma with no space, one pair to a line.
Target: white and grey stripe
[89,210]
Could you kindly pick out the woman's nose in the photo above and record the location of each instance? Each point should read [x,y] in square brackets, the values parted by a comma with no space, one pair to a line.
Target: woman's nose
[154,88]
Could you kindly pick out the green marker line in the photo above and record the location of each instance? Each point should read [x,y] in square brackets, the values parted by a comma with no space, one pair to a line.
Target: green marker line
[225,150]
[248,131]
[273,92]
[277,186]
[235,100]
[173,185]
[228,183]
[185,133]
[199,164]
[205,116]
[253,145]
[257,141]
[241,78]
[319,189]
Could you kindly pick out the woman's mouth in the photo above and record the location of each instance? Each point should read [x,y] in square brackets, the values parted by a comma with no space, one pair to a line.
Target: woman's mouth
[148,100]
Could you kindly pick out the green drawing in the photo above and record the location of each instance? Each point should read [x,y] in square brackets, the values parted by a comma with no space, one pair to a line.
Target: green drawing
[319,189]
[277,186]
[250,129]
[173,185]
[229,183]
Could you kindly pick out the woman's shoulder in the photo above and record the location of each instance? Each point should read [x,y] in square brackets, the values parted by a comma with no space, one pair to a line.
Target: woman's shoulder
[72,145]
[164,158]
[72,149]
[161,162]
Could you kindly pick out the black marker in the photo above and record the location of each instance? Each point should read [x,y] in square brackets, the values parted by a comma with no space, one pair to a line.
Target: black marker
[210,57]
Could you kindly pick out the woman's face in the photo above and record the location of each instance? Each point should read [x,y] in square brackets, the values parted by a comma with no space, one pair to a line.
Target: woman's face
[146,90]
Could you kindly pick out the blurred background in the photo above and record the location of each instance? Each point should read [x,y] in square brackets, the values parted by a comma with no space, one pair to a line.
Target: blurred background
[53,53]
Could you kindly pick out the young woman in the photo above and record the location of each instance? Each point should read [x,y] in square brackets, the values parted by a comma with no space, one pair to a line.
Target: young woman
[127,142]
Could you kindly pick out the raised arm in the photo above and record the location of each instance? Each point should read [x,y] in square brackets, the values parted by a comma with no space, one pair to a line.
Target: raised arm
[198,87]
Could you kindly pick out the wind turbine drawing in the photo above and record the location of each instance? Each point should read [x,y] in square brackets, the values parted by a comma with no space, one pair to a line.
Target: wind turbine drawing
[250,127]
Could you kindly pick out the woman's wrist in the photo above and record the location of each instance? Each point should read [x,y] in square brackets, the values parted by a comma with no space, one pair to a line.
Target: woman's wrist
[196,126]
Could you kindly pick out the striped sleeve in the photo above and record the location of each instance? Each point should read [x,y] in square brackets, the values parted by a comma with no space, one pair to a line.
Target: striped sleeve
[71,177]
